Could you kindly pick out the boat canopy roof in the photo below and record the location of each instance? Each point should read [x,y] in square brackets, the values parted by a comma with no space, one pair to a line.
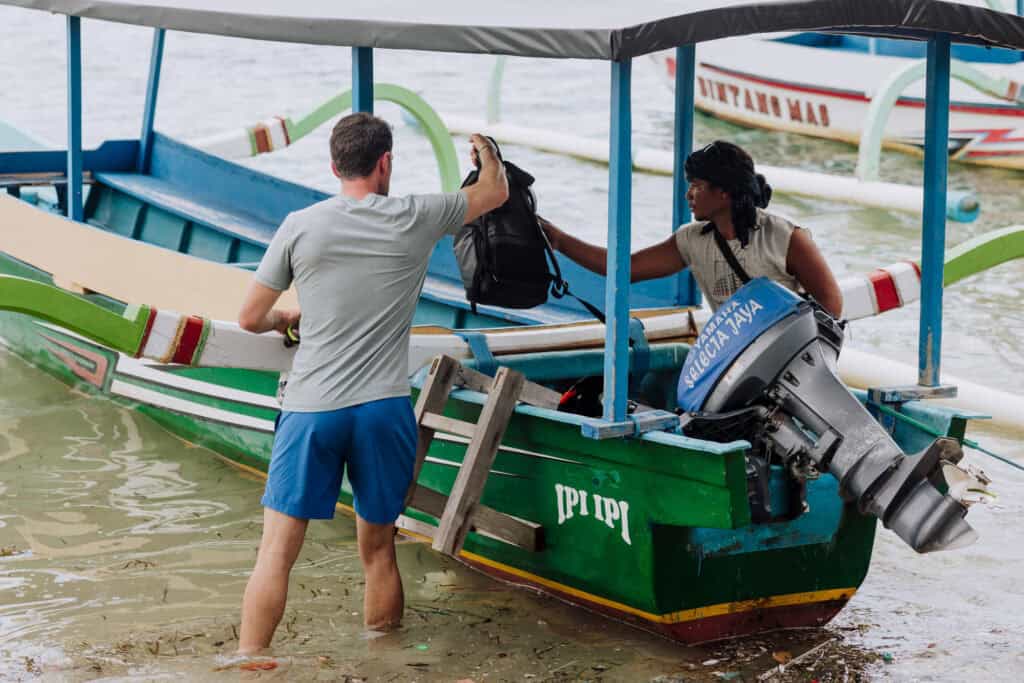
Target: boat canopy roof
[586,29]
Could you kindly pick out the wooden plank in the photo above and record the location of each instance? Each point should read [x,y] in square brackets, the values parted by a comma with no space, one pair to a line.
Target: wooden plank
[476,465]
[432,398]
[538,395]
[441,423]
[145,273]
[415,526]
[531,393]
[484,520]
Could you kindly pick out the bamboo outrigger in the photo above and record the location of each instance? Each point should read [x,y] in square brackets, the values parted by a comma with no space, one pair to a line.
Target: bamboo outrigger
[657,528]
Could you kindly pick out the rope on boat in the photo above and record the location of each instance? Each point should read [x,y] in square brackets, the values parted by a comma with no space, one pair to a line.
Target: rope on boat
[936,433]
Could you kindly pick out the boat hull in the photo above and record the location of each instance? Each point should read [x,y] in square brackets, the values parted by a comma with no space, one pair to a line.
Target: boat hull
[826,93]
[676,557]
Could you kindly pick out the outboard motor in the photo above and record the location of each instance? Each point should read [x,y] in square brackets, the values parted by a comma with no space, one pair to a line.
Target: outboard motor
[769,358]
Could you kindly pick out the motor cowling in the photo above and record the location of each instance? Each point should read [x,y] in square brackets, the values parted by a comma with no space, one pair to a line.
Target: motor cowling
[768,349]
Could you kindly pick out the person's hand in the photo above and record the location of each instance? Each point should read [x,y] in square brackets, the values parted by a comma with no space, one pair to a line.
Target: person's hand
[483,150]
[285,319]
[553,233]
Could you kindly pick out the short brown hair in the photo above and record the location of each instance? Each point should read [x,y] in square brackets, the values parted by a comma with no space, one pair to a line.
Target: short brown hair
[357,142]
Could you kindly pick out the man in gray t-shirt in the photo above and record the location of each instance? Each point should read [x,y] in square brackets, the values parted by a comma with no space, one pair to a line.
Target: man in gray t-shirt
[358,261]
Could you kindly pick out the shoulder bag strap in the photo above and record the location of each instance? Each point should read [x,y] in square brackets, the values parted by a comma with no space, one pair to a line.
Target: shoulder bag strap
[730,257]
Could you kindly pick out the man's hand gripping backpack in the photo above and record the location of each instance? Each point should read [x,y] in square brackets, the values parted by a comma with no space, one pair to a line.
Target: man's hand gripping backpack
[504,256]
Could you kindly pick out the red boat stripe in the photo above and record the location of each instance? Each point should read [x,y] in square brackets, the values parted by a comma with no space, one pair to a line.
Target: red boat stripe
[917,268]
[262,136]
[190,337]
[145,333]
[284,129]
[975,153]
[885,290]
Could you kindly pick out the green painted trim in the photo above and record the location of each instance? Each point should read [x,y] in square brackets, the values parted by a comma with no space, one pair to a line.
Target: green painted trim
[983,252]
[226,404]
[201,344]
[435,129]
[74,313]
[253,148]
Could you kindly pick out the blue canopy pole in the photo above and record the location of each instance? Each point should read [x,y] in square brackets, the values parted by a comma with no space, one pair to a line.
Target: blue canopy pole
[620,198]
[156,59]
[1020,8]
[74,186]
[362,79]
[687,292]
[933,238]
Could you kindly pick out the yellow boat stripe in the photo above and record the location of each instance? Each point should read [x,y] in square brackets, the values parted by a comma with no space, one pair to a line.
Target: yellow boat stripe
[787,600]
[674,617]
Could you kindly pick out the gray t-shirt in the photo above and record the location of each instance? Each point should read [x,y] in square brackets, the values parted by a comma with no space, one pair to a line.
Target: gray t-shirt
[358,267]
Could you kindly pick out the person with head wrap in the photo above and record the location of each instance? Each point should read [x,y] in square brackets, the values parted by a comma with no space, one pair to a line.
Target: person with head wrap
[726,195]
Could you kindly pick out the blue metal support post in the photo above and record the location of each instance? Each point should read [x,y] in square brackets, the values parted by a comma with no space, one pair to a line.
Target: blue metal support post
[933,238]
[156,59]
[74,186]
[362,79]
[620,197]
[687,292]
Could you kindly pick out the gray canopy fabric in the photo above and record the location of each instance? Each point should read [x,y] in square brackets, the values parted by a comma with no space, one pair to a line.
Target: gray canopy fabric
[587,29]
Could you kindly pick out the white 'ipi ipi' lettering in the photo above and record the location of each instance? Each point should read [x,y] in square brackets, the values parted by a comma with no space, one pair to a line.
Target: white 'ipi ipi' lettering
[573,502]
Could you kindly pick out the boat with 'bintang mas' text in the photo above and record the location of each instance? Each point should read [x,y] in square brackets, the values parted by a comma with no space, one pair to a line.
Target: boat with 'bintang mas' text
[858,88]
[755,510]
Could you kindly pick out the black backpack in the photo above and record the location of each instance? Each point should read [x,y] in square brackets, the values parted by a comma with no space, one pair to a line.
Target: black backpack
[504,256]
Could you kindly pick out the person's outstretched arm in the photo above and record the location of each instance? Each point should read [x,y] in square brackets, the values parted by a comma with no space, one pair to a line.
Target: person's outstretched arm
[805,262]
[491,188]
[659,260]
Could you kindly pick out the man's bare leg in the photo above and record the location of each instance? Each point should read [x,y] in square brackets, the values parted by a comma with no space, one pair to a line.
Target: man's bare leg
[267,590]
[384,601]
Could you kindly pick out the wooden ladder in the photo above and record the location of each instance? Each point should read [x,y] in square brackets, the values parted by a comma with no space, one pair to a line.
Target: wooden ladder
[461,511]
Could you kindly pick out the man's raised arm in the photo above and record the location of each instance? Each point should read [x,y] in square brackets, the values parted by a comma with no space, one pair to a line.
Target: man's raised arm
[491,188]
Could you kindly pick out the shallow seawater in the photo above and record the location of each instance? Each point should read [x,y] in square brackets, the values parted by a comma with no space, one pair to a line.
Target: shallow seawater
[124,551]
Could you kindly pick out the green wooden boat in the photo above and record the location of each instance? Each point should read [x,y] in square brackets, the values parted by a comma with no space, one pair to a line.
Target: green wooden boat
[656,529]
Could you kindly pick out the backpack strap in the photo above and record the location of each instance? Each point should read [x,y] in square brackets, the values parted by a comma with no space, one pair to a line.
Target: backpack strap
[729,256]
[559,287]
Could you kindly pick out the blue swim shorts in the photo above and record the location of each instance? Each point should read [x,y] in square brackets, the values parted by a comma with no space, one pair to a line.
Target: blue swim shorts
[375,441]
